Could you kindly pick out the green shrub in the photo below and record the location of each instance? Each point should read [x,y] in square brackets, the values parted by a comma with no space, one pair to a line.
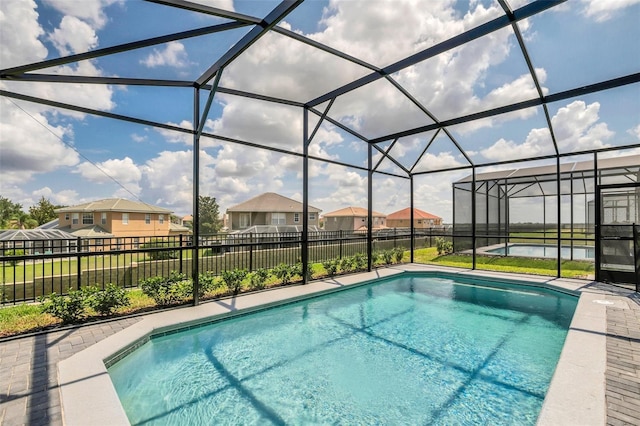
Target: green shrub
[297,270]
[331,266]
[346,264]
[444,246]
[284,273]
[69,309]
[387,256]
[258,278]
[159,254]
[375,257]
[13,252]
[233,279]
[398,254]
[165,291]
[208,282]
[359,262]
[104,302]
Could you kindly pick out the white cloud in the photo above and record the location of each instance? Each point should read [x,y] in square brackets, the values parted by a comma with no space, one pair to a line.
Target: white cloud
[73,36]
[168,178]
[442,160]
[270,124]
[177,137]
[635,132]
[575,126]
[220,4]
[173,55]
[124,171]
[138,138]
[30,144]
[20,33]
[601,11]
[91,11]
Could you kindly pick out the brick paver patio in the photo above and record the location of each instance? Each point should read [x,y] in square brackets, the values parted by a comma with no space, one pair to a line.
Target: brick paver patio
[623,366]
[28,371]
[29,385]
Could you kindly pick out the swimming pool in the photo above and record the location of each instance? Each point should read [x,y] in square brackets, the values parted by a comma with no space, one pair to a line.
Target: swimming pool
[414,349]
[538,250]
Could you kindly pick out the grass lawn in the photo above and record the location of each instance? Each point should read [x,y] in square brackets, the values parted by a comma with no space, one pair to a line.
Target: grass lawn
[569,268]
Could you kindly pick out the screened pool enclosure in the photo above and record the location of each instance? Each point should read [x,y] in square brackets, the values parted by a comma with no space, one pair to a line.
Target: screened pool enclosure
[518,122]
[550,211]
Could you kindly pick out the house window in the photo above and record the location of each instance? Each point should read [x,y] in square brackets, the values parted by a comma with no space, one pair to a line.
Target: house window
[312,216]
[125,218]
[87,218]
[66,217]
[296,217]
[147,218]
[136,242]
[245,220]
[161,219]
[75,218]
[103,218]
[278,219]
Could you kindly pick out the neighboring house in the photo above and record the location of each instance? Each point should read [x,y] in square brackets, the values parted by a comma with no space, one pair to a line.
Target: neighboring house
[269,209]
[187,221]
[352,219]
[116,218]
[421,219]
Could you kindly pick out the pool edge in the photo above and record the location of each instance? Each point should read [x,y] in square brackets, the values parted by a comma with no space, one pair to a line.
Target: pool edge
[89,397]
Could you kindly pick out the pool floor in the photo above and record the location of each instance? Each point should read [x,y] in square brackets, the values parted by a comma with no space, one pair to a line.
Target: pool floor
[408,351]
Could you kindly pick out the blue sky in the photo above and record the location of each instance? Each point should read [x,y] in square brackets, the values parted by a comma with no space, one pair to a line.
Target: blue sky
[72,158]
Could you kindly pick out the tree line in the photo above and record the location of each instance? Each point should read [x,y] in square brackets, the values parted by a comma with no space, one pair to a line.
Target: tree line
[12,215]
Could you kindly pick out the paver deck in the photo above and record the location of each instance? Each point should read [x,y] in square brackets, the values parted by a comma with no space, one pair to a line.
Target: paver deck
[29,374]
[29,392]
[623,365]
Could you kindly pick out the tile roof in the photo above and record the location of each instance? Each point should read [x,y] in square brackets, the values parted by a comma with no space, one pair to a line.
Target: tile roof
[271,202]
[355,212]
[114,205]
[405,214]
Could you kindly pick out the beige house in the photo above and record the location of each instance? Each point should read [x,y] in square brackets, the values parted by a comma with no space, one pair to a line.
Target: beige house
[117,218]
[421,219]
[269,209]
[353,219]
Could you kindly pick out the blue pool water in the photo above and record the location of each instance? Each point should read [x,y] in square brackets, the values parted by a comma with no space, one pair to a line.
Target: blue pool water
[534,250]
[416,349]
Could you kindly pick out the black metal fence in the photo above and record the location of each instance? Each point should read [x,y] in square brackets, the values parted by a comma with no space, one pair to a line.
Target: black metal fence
[33,268]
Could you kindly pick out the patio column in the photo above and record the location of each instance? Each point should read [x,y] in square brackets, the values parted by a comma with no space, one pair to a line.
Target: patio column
[195,243]
[412,233]
[305,195]
[369,207]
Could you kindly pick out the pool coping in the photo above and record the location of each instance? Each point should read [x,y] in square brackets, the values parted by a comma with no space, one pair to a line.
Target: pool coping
[576,394]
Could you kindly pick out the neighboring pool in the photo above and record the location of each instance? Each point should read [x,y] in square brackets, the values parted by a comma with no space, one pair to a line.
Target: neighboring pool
[535,250]
[414,349]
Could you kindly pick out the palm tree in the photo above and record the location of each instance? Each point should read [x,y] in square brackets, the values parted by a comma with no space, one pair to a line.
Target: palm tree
[22,221]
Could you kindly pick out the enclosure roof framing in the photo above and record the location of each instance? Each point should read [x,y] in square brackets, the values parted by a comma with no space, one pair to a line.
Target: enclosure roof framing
[430,121]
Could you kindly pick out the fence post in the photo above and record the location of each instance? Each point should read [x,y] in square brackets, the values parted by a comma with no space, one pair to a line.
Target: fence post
[78,263]
[250,256]
[340,244]
[181,258]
